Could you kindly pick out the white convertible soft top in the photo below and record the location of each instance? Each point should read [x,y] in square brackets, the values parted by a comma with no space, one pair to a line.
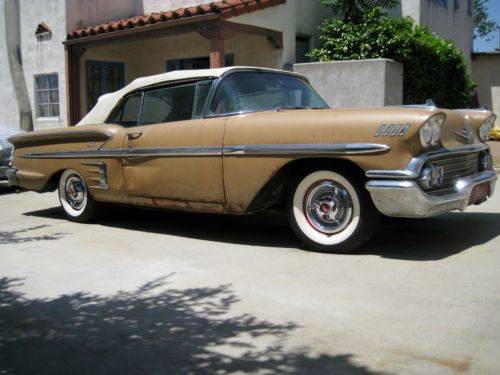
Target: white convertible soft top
[107,102]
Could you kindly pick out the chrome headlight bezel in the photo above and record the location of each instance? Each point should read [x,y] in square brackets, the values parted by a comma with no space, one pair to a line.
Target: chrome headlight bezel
[486,128]
[430,131]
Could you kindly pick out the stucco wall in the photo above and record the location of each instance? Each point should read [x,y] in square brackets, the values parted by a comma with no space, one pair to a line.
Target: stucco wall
[295,17]
[151,6]
[486,73]
[447,22]
[9,110]
[495,98]
[143,58]
[45,55]
[357,83]
[93,12]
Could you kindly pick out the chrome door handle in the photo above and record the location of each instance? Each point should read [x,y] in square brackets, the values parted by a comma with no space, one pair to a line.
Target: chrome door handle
[132,136]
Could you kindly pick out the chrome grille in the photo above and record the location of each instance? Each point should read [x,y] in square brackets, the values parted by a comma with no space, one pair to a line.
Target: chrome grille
[454,167]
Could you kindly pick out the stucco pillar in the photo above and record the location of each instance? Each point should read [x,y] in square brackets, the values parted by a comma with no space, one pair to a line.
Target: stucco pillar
[495,103]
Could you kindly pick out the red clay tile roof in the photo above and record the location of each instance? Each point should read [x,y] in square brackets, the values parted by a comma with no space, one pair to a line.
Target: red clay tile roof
[225,9]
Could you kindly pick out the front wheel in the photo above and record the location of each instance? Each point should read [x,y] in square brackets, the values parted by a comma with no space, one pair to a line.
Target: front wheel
[76,202]
[331,212]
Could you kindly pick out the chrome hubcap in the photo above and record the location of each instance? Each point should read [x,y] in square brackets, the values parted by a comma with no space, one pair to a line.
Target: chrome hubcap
[328,207]
[75,192]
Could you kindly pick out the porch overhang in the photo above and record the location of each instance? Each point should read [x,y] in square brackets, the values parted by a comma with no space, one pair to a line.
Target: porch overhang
[209,20]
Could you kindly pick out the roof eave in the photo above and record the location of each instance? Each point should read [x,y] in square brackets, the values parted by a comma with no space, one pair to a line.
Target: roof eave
[144,29]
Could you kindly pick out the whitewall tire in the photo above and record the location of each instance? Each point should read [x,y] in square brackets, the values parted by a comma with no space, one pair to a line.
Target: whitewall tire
[76,201]
[331,211]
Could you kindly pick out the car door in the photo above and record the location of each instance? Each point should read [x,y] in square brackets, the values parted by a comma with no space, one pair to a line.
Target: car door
[170,152]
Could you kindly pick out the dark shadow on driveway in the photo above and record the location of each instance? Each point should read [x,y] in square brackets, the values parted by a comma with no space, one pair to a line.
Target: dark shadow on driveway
[410,239]
[267,229]
[151,330]
[433,238]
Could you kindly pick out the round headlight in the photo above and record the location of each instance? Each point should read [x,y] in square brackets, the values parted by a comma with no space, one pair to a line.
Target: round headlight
[486,128]
[436,131]
[430,132]
[426,134]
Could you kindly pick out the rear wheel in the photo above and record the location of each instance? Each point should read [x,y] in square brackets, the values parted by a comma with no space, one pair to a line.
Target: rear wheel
[76,201]
[331,211]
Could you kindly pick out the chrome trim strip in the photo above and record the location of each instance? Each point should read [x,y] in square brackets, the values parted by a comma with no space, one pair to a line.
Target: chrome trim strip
[250,150]
[61,134]
[103,174]
[306,149]
[415,165]
[131,152]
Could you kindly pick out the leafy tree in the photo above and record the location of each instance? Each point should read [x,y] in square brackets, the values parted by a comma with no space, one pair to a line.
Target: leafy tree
[354,10]
[483,26]
[433,68]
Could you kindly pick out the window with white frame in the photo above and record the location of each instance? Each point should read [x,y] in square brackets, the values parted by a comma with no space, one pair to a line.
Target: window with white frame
[47,95]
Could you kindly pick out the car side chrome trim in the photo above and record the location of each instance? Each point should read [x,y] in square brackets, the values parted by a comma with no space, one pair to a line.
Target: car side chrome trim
[130,152]
[306,149]
[250,150]
[415,165]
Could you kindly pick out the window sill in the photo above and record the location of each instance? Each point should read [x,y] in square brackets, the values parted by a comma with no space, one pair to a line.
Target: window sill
[47,119]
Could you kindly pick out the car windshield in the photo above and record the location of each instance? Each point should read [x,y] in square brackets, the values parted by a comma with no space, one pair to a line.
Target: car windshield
[257,91]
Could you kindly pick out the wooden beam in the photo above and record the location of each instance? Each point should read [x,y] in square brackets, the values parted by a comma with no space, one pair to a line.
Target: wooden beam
[73,83]
[69,83]
[217,59]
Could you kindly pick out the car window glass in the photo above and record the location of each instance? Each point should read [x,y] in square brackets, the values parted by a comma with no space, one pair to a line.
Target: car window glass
[168,104]
[127,113]
[255,91]
[202,91]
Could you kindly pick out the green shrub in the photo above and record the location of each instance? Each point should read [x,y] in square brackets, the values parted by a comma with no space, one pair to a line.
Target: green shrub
[433,68]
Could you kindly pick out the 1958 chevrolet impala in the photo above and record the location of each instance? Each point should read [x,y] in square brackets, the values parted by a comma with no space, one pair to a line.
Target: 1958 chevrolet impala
[239,140]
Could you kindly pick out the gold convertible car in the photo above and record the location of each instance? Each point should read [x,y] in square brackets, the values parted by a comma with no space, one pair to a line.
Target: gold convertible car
[239,140]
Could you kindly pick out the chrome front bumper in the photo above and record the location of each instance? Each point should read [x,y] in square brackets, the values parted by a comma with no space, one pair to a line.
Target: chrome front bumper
[405,198]
[10,173]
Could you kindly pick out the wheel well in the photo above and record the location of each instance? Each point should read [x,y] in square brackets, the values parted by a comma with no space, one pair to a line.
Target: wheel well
[53,181]
[275,190]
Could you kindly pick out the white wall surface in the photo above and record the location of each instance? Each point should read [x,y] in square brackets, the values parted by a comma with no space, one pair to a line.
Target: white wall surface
[44,56]
[151,6]
[447,22]
[292,18]
[9,110]
[486,74]
[495,103]
[357,83]
[82,13]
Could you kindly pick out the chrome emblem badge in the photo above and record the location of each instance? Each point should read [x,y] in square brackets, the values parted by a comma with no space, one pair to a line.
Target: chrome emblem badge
[466,134]
[392,130]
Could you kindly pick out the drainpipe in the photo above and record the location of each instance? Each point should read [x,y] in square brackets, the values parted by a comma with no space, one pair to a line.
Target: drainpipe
[13,42]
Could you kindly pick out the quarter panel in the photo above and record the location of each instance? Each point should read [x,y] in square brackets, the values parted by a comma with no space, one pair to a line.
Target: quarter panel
[244,175]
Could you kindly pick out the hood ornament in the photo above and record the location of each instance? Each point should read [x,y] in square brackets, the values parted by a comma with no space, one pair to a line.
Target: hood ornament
[466,134]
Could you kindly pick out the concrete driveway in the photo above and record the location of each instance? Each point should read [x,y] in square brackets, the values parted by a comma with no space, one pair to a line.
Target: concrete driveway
[146,292]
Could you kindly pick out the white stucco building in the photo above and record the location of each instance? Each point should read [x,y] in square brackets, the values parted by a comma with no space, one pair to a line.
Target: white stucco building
[58,56]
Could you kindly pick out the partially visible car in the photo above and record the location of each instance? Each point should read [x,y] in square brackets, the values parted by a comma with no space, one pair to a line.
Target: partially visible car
[6,149]
[495,133]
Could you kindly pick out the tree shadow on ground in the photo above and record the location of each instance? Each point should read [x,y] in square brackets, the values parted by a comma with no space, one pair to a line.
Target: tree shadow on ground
[151,330]
[409,239]
[22,235]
